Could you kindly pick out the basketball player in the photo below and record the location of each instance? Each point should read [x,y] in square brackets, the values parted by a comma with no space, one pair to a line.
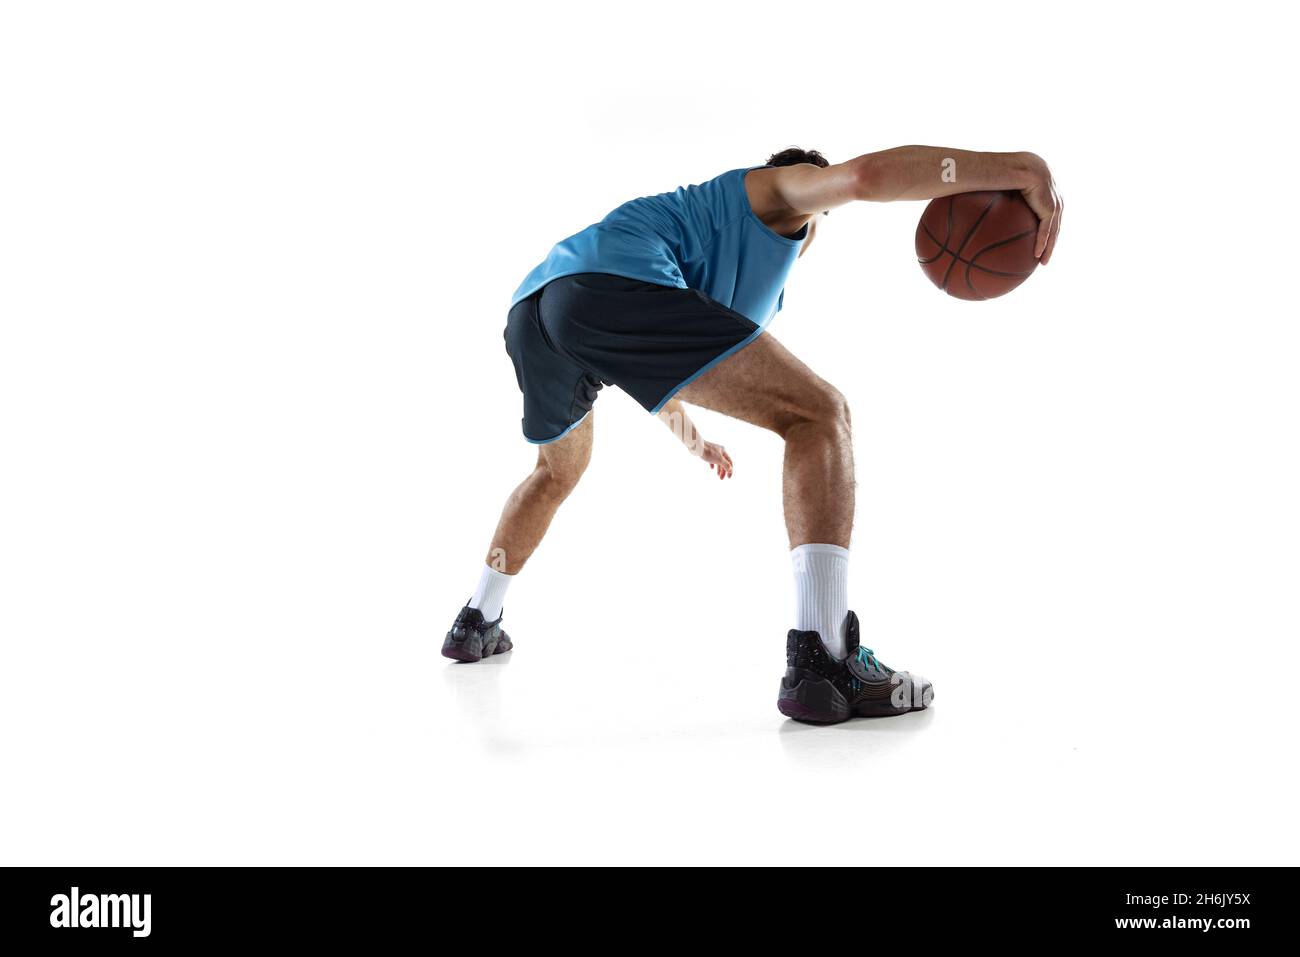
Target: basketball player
[668,298]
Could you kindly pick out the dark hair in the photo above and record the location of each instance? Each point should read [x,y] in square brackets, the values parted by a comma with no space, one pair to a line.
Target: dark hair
[793,155]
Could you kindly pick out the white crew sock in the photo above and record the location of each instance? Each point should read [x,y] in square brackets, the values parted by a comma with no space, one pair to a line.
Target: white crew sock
[821,593]
[491,593]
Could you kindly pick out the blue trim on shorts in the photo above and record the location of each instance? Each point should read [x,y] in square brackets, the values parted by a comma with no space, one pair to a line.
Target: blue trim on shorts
[556,438]
[707,366]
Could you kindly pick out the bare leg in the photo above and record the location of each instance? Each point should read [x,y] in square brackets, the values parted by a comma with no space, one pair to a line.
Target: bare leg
[765,384]
[530,508]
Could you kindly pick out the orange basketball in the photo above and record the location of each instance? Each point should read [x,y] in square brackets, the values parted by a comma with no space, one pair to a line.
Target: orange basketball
[977,245]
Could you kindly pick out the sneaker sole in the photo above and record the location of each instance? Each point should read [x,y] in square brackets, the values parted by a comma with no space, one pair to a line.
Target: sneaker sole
[817,701]
[466,652]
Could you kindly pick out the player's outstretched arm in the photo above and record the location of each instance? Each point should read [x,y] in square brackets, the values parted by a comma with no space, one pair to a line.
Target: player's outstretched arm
[673,414]
[917,172]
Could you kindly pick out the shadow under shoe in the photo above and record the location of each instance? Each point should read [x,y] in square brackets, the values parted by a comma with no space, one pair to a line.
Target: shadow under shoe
[473,639]
[821,689]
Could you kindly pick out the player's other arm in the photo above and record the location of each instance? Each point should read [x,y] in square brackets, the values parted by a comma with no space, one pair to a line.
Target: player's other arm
[918,172]
[673,414]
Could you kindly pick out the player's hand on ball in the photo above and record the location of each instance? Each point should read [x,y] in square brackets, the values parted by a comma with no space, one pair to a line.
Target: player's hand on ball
[717,458]
[1047,204]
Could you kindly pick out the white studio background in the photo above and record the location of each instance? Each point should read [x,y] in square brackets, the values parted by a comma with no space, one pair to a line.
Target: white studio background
[257,422]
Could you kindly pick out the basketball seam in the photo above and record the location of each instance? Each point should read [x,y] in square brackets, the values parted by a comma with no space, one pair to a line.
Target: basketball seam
[969,233]
[970,263]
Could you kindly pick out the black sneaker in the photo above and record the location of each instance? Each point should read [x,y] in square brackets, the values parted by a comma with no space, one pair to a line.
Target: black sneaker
[819,689]
[472,639]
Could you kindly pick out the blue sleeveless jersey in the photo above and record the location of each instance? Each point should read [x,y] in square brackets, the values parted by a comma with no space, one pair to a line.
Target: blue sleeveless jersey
[704,237]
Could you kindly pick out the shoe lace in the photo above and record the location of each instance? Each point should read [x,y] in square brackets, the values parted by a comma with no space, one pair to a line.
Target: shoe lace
[867,658]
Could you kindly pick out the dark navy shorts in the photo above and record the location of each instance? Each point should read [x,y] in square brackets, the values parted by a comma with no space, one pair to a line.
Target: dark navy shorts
[579,333]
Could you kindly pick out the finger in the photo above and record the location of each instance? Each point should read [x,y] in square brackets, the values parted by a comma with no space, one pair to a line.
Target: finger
[1042,208]
[1056,230]
[1044,231]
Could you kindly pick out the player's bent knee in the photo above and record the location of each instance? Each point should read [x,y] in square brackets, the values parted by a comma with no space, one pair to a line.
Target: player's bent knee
[824,407]
[837,409]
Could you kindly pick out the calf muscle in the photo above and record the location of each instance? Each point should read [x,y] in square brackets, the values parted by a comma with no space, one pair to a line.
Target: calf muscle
[532,505]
